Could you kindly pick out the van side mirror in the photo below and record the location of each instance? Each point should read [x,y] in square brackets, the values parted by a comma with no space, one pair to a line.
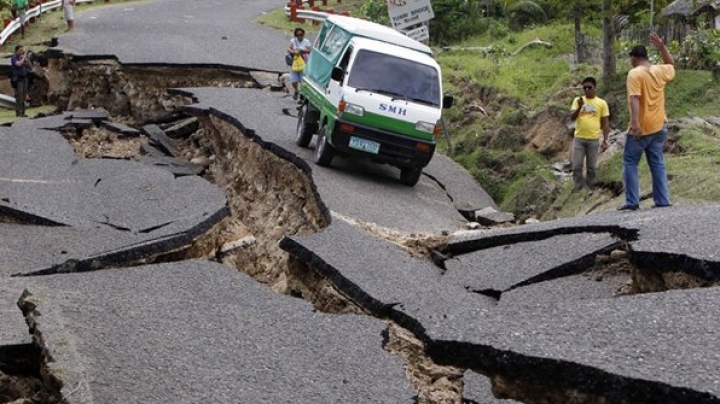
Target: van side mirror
[337,74]
[448,101]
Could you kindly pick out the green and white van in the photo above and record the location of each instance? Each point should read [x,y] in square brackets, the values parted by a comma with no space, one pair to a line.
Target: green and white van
[370,91]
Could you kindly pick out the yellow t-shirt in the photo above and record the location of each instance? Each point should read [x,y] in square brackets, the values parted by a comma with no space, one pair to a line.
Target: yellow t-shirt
[588,124]
[649,84]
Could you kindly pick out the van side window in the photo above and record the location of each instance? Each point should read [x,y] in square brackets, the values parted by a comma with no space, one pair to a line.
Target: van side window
[334,43]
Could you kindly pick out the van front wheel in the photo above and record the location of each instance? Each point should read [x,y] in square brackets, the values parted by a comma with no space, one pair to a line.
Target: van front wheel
[324,151]
[410,175]
[306,125]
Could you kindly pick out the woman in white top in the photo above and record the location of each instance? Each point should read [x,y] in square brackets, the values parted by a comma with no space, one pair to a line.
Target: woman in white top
[298,46]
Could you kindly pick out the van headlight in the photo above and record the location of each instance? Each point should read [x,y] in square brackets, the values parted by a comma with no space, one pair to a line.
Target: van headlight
[352,109]
[426,127]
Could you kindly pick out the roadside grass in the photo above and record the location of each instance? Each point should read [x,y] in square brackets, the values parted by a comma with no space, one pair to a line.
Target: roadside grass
[38,34]
[8,115]
[692,93]
[692,168]
[278,20]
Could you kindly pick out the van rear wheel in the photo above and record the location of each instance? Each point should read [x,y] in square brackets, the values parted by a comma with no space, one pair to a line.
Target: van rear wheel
[324,151]
[306,125]
[410,175]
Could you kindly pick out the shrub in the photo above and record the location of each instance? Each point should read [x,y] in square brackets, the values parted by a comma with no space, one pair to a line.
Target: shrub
[701,50]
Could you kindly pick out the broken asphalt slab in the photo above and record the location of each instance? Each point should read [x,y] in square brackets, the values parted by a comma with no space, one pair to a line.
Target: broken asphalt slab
[13,331]
[681,238]
[642,348]
[489,271]
[202,332]
[160,139]
[650,348]
[125,195]
[383,278]
[26,249]
[589,285]
[93,213]
[350,187]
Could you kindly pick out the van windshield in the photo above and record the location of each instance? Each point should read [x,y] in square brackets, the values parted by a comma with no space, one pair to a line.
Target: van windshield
[400,78]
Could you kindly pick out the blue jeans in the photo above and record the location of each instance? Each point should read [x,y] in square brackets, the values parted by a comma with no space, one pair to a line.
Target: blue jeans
[652,145]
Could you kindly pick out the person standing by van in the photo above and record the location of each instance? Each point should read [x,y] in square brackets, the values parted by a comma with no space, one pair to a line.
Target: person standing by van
[299,46]
[591,115]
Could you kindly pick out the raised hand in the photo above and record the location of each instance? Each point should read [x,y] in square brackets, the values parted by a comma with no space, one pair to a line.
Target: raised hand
[657,41]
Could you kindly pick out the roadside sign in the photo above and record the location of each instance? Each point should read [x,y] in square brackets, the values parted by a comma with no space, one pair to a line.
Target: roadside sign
[420,34]
[406,13]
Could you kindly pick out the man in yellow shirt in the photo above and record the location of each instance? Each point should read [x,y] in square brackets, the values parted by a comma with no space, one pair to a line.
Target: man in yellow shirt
[648,130]
[591,115]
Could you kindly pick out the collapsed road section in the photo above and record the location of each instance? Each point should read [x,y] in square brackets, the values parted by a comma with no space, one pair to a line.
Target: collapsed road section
[530,309]
[122,213]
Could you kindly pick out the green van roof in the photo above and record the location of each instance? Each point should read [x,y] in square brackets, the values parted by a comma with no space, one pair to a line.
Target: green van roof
[378,32]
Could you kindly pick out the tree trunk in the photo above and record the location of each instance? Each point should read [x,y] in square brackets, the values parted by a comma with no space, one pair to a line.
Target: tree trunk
[609,62]
[579,42]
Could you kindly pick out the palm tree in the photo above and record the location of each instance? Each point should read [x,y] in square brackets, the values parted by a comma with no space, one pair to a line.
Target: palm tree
[523,12]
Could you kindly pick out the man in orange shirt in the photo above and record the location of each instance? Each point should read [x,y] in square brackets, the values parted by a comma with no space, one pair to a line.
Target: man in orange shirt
[648,124]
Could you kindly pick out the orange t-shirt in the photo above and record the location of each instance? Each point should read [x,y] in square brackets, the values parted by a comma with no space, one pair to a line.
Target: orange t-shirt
[648,83]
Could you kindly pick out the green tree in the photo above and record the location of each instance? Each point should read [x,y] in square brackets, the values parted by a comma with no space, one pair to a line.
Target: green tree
[639,11]
[609,59]
[523,12]
[575,11]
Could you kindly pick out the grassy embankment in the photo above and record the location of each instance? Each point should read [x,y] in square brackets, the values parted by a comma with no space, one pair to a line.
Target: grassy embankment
[520,92]
[526,86]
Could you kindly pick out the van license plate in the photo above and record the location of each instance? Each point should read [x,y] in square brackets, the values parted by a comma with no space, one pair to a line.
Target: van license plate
[364,145]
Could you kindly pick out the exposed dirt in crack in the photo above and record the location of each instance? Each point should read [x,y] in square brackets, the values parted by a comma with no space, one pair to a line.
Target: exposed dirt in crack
[417,245]
[305,283]
[269,196]
[97,142]
[652,280]
[435,384]
[527,393]
[615,264]
[31,381]
[136,92]
[644,279]
[20,377]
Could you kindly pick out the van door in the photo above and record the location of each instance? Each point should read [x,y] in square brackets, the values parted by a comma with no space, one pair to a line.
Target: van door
[335,89]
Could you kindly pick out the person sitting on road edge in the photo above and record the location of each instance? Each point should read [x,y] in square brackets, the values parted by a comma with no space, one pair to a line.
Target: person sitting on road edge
[20,64]
[648,124]
[299,45]
[591,115]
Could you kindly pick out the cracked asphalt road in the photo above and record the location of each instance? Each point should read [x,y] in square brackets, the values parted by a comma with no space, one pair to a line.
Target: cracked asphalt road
[197,331]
